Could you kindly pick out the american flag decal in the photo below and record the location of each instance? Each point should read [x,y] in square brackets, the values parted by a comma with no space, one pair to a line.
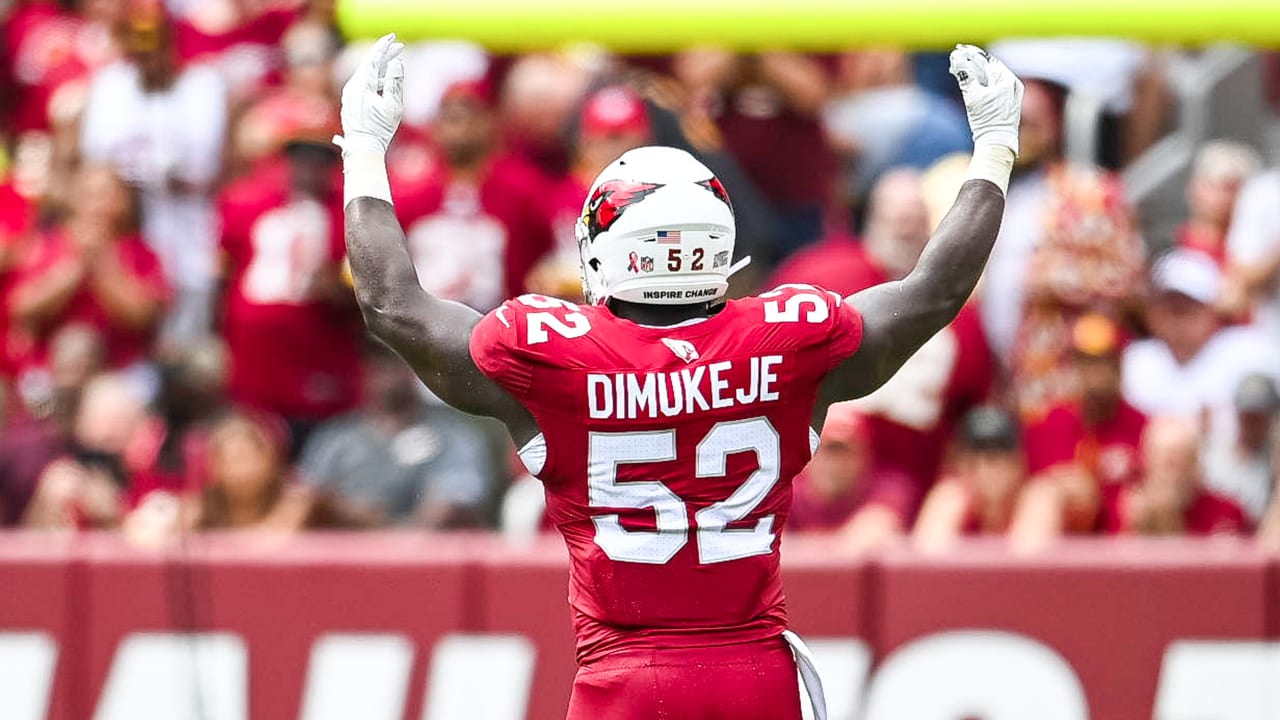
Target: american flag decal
[668,237]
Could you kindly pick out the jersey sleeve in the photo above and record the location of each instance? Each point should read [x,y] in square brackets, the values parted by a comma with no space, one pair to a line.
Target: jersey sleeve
[845,331]
[497,351]
[813,317]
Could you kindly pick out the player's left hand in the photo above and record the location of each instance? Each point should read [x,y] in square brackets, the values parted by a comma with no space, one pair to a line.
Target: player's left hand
[992,96]
[373,99]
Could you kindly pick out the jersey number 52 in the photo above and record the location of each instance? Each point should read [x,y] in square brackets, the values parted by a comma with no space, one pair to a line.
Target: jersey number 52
[716,542]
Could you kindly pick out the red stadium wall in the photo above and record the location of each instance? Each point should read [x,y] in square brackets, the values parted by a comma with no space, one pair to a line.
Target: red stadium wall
[1109,610]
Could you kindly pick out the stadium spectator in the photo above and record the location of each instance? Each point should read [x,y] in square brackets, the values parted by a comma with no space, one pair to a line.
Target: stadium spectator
[304,99]
[248,484]
[894,235]
[475,224]
[843,488]
[39,430]
[540,93]
[1219,171]
[1171,499]
[1122,82]
[614,120]
[291,326]
[243,484]
[768,108]
[1191,364]
[171,454]
[1092,442]
[880,119]
[398,460]
[243,42]
[1240,463]
[86,487]
[1089,259]
[911,417]
[1253,253]
[979,495]
[93,269]
[162,128]
[431,67]
[50,48]
[1023,225]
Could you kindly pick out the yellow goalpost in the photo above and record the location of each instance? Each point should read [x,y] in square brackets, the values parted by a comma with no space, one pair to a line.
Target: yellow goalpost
[818,25]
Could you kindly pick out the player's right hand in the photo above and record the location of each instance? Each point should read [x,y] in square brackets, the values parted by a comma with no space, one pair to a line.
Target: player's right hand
[373,99]
[992,96]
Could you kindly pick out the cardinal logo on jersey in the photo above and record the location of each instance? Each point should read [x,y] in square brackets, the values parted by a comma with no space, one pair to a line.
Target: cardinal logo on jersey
[682,349]
[610,200]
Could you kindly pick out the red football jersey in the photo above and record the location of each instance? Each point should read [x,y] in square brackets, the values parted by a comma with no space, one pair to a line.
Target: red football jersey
[1110,450]
[293,351]
[667,454]
[475,242]
[124,344]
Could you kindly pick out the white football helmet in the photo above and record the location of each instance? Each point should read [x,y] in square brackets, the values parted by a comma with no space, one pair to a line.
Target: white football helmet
[657,228]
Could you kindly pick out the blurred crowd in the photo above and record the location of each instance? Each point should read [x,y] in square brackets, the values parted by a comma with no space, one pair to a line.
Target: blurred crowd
[180,349]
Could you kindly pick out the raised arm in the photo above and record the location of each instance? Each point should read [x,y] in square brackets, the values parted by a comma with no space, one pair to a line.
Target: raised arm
[431,334]
[899,317]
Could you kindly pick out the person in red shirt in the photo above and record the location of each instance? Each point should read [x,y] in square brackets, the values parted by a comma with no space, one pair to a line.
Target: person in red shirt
[37,431]
[1171,499]
[614,120]
[911,419]
[842,486]
[478,222]
[93,269]
[1085,446]
[244,43]
[85,487]
[17,216]
[16,219]
[290,323]
[979,497]
[665,421]
[47,47]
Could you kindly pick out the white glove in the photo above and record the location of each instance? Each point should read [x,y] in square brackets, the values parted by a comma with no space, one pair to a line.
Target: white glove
[992,96]
[373,100]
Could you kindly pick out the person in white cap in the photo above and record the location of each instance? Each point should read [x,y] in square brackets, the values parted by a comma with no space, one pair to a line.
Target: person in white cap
[1191,364]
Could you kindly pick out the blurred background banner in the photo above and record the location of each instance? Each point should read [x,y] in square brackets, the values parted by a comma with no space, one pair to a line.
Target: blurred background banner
[818,25]
[400,626]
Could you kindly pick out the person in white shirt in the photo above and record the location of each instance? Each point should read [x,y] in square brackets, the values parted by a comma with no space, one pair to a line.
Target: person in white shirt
[1253,252]
[163,129]
[1192,365]
[1243,466]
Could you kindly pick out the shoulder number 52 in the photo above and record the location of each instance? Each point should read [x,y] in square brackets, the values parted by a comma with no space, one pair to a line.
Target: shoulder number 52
[789,310]
[570,324]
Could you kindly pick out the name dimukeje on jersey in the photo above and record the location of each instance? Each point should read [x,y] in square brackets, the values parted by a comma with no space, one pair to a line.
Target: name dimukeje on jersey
[628,396]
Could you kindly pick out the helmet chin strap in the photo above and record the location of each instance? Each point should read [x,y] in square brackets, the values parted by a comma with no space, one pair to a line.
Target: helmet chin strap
[738,266]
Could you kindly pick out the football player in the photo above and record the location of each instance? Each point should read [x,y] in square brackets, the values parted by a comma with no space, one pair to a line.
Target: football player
[665,422]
